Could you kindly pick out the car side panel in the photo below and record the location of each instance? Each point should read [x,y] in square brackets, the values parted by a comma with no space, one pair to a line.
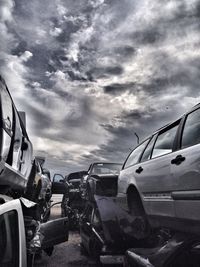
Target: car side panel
[154,184]
[123,184]
[187,175]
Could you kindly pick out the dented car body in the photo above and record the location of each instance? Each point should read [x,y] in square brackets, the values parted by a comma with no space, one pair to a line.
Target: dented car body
[106,229]
[22,236]
[23,191]
[72,204]
[16,156]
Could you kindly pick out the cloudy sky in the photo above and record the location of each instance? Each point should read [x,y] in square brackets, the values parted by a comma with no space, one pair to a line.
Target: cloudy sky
[90,73]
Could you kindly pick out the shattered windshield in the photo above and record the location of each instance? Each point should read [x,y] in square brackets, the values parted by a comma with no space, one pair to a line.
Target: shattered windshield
[106,168]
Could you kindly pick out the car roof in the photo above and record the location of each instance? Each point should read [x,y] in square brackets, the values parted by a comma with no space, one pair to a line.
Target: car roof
[170,123]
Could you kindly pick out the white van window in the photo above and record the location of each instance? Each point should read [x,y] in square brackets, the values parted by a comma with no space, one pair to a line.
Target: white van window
[9,239]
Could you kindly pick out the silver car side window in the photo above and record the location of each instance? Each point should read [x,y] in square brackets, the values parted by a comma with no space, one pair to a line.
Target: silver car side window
[134,157]
[164,142]
[191,131]
[148,150]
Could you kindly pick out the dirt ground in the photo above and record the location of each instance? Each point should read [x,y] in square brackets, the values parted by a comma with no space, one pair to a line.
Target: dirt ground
[65,254]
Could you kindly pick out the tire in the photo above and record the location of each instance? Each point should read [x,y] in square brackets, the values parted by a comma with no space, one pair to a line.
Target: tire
[141,225]
[134,204]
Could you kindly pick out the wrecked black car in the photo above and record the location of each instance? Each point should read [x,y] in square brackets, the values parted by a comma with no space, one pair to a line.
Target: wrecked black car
[72,204]
[101,179]
[95,239]
[107,231]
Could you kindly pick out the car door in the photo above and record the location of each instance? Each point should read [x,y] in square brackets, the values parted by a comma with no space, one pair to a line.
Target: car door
[6,111]
[16,149]
[127,174]
[12,235]
[185,167]
[26,153]
[153,174]
[58,184]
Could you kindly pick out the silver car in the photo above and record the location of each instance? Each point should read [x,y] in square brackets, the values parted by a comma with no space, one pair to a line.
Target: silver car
[160,179]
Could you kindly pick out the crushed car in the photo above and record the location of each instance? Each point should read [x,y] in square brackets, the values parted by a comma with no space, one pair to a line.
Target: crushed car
[23,232]
[107,231]
[72,204]
[101,179]
[45,191]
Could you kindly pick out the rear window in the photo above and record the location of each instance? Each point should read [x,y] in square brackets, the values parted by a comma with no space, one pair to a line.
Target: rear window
[147,153]
[134,157]
[191,131]
[165,141]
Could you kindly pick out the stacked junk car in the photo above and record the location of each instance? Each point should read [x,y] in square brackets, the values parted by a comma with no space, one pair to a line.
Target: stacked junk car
[25,192]
[144,212]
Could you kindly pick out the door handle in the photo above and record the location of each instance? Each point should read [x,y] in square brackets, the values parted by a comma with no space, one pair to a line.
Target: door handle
[178,160]
[139,170]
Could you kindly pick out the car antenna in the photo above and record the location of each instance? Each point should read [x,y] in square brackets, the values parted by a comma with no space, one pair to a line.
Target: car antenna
[138,139]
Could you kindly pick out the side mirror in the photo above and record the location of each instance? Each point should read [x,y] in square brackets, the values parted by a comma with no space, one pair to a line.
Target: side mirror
[57,178]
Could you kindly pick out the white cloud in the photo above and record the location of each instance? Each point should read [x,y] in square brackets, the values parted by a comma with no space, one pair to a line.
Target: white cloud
[61,81]
[6,9]
[56,31]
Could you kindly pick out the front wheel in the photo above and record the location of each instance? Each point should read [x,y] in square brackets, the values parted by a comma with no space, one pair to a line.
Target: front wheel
[140,224]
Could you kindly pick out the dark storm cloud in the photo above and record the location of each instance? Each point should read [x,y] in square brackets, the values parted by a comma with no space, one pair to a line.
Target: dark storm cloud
[90,73]
[148,36]
[123,137]
[124,51]
[39,121]
[122,142]
[101,72]
[116,88]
